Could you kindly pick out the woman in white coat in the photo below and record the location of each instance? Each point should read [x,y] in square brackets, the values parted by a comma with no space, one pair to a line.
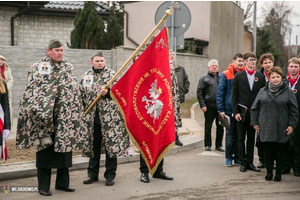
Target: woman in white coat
[7,76]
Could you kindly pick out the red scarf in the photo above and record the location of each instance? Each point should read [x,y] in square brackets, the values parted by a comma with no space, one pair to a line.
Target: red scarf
[293,81]
[267,75]
[2,71]
[249,72]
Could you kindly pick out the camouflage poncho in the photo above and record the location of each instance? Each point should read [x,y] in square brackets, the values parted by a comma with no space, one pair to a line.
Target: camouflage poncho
[114,134]
[51,104]
[176,100]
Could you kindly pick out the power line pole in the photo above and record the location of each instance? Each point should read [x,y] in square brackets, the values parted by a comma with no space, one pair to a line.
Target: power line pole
[289,52]
[254,28]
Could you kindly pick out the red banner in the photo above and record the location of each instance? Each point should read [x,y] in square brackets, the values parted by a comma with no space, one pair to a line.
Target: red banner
[3,148]
[144,96]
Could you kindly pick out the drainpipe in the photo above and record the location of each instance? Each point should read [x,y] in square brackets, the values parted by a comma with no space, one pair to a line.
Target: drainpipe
[134,42]
[22,12]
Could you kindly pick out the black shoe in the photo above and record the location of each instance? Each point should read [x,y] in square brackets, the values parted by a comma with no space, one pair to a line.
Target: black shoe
[260,165]
[109,182]
[285,171]
[220,149]
[90,180]
[252,167]
[277,178]
[67,189]
[243,168]
[145,178]
[178,143]
[207,148]
[45,193]
[162,175]
[269,177]
[296,173]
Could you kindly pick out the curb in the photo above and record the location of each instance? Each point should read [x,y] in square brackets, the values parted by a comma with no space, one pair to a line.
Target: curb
[28,169]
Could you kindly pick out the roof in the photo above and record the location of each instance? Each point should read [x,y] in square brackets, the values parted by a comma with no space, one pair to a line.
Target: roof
[74,5]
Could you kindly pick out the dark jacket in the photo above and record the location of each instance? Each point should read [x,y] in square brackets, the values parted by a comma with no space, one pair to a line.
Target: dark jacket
[183,82]
[263,72]
[296,91]
[5,106]
[273,114]
[224,90]
[207,90]
[241,93]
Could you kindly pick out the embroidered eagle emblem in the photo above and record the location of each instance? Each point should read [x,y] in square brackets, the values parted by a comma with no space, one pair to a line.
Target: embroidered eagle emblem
[154,106]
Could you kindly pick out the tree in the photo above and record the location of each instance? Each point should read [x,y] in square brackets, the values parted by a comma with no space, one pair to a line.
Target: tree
[277,15]
[89,28]
[266,44]
[248,13]
[115,26]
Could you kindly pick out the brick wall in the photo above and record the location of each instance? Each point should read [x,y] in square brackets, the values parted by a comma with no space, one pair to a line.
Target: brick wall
[21,58]
[5,15]
[33,31]
[36,31]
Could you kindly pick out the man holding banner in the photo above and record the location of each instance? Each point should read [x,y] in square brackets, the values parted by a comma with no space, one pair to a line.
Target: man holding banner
[145,97]
[104,120]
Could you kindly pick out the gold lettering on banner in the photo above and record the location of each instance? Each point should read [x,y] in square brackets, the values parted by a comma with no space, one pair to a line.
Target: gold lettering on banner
[148,151]
[169,87]
[135,108]
[120,96]
[163,122]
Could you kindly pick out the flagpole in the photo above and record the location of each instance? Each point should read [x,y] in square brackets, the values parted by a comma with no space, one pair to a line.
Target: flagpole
[168,13]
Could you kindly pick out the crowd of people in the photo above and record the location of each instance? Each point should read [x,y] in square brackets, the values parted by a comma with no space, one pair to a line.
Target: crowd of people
[51,117]
[262,106]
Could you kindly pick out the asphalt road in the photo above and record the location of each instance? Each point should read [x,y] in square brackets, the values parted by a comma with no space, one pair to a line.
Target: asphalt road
[197,175]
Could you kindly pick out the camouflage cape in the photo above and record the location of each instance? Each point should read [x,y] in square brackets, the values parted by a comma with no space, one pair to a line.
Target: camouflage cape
[51,104]
[114,134]
[176,100]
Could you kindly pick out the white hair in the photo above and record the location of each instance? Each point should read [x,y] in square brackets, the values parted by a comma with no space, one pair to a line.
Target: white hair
[212,61]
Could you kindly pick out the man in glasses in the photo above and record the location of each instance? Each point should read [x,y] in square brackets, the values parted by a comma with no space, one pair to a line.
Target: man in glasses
[245,87]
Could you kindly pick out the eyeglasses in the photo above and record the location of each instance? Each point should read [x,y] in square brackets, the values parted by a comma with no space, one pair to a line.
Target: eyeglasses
[251,60]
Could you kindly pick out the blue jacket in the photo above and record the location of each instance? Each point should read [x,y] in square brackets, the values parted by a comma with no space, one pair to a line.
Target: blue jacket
[224,90]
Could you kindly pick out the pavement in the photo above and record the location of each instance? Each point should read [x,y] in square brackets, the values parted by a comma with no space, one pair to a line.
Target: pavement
[191,135]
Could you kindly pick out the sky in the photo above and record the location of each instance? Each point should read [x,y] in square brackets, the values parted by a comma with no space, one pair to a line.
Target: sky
[295,19]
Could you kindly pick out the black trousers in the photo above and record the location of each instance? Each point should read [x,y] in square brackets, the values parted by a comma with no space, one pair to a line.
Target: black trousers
[144,168]
[292,159]
[274,151]
[44,178]
[260,151]
[210,115]
[245,151]
[94,163]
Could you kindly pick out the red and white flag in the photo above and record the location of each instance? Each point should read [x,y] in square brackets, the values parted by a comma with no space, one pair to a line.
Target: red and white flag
[3,148]
[144,96]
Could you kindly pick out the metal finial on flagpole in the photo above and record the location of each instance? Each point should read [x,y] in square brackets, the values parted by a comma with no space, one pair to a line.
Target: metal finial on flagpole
[173,6]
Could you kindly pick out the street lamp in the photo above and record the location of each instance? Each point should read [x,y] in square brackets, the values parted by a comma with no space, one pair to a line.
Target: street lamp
[289,52]
[297,42]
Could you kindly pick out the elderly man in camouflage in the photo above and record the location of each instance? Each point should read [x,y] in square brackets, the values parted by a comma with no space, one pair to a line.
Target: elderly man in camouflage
[51,117]
[105,120]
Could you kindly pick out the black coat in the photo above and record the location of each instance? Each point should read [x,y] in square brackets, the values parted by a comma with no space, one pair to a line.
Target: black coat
[207,90]
[48,158]
[5,106]
[241,93]
[183,82]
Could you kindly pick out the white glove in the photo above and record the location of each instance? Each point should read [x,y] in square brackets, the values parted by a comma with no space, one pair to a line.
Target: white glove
[6,133]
